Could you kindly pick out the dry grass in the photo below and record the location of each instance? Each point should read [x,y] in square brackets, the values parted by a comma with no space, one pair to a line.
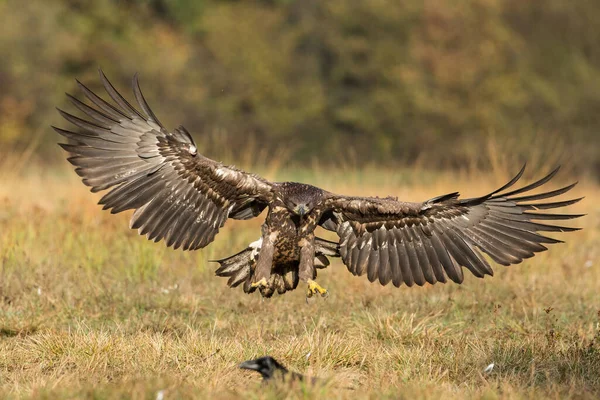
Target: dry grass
[90,310]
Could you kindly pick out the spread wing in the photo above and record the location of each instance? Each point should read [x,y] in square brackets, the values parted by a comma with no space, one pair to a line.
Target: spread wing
[178,195]
[416,243]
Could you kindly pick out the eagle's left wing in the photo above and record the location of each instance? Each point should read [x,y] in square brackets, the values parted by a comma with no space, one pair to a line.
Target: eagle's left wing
[178,194]
[425,242]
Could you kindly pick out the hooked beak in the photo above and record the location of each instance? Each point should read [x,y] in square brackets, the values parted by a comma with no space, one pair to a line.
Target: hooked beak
[301,210]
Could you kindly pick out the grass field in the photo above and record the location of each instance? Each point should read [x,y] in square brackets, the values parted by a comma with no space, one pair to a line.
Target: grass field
[88,309]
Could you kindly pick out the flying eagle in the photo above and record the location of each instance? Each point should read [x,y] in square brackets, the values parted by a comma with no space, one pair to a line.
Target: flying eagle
[183,198]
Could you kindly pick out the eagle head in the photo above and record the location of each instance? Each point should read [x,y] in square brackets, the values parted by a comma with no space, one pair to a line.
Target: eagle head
[300,198]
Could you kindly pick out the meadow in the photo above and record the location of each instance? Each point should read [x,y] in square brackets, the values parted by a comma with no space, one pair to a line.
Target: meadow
[88,309]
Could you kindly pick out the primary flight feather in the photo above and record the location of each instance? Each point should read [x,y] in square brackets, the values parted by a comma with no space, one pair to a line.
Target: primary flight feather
[184,198]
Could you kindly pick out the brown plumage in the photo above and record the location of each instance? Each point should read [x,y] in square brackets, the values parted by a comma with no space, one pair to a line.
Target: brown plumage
[184,198]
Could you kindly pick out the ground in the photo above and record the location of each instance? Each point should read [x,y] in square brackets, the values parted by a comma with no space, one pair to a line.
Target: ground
[88,309]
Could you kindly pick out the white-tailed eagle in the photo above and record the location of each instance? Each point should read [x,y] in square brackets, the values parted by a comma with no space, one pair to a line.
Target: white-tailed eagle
[183,198]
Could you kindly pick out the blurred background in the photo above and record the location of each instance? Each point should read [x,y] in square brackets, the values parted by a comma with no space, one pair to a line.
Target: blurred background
[437,84]
[409,98]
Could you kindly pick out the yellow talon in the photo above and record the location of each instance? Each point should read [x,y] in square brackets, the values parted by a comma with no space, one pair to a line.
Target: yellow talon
[262,282]
[314,288]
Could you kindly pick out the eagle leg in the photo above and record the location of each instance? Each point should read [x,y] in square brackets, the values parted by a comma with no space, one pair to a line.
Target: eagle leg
[262,274]
[307,271]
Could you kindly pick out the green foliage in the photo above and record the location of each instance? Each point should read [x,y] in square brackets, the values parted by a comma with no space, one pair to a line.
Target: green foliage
[378,81]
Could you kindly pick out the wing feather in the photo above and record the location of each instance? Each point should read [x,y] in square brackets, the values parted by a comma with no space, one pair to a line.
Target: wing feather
[450,267]
[385,272]
[137,92]
[98,116]
[373,265]
[413,272]
[124,105]
[363,256]
[426,265]
[395,262]
[432,257]
[405,275]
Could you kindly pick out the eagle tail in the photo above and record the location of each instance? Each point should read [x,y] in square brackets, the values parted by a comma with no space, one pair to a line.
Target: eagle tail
[238,267]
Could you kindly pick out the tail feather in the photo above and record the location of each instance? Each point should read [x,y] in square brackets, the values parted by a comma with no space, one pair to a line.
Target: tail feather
[230,265]
[327,247]
[240,276]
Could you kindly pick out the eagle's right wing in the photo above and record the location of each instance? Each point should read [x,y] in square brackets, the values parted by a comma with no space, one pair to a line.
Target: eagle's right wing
[413,243]
[177,194]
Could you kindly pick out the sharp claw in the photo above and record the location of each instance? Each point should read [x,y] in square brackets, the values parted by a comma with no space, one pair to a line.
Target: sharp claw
[309,293]
[314,288]
[262,282]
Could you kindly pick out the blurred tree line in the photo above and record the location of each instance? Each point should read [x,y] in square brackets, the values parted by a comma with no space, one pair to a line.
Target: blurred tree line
[338,81]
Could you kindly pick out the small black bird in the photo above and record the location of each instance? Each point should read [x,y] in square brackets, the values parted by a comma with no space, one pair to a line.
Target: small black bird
[270,369]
